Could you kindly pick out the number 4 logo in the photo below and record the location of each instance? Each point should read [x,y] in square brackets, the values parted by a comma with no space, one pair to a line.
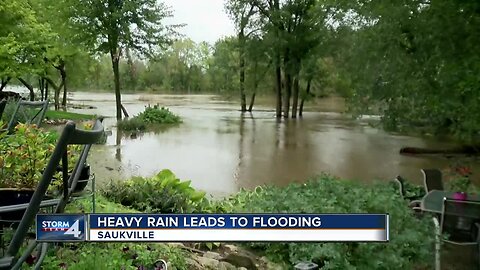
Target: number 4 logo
[74,230]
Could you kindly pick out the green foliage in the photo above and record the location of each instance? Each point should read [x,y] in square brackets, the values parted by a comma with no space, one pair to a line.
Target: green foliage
[102,205]
[459,184]
[150,116]
[156,115]
[162,193]
[411,242]
[120,256]
[132,124]
[23,39]
[25,154]
[103,27]
[412,191]
[413,63]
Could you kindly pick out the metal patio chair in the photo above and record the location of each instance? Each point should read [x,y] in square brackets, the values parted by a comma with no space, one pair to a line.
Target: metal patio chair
[70,135]
[415,204]
[460,220]
[29,112]
[432,179]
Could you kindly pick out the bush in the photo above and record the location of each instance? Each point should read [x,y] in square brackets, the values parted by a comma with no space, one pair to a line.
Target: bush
[25,154]
[156,115]
[150,116]
[162,193]
[411,239]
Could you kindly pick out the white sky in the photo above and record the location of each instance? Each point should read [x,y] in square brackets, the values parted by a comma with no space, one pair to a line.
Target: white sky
[206,19]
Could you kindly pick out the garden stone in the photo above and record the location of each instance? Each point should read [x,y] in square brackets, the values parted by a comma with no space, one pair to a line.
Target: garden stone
[212,255]
[193,264]
[177,245]
[232,248]
[226,266]
[240,260]
[208,263]
[270,265]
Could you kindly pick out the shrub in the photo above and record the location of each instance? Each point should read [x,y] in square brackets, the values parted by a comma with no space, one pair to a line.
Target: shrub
[25,154]
[162,193]
[150,116]
[411,239]
[156,115]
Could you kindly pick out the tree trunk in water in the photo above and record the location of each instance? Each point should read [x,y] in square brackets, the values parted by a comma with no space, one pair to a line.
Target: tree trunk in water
[4,83]
[255,86]
[30,88]
[295,96]
[56,93]
[116,74]
[252,101]
[63,73]
[278,85]
[288,83]
[300,113]
[288,93]
[124,111]
[243,99]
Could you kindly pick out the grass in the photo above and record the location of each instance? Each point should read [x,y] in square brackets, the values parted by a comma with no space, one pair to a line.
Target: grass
[57,115]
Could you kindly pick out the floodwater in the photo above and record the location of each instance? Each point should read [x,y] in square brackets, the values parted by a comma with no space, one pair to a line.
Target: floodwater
[221,150]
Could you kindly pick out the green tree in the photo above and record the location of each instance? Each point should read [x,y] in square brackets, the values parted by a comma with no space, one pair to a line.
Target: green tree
[24,42]
[223,66]
[111,26]
[416,63]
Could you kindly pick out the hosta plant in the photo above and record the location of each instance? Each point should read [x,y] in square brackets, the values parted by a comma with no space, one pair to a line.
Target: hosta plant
[162,193]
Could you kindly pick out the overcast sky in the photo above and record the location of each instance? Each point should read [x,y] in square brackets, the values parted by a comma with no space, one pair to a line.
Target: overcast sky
[206,19]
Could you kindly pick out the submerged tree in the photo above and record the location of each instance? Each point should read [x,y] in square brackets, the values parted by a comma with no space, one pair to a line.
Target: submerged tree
[111,26]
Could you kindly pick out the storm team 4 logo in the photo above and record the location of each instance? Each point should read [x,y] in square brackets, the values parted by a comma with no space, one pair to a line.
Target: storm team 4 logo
[60,227]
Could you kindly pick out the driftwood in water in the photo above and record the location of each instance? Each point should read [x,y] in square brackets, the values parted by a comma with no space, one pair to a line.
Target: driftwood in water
[463,150]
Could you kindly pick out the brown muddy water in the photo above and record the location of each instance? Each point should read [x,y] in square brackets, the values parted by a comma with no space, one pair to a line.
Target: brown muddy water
[221,150]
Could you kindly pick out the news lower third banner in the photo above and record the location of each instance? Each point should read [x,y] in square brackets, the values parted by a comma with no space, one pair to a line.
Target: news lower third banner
[213,227]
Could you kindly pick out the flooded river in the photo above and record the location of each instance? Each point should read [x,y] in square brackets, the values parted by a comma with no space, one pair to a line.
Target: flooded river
[221,150]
